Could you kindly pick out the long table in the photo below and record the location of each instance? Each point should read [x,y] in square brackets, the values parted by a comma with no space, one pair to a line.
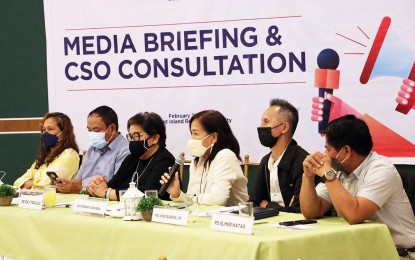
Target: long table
[61,233]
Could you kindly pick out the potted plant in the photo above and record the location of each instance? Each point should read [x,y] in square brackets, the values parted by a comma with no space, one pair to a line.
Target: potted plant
[146,205]
[6,194]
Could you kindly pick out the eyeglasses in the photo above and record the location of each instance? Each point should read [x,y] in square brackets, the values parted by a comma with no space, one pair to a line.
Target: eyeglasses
[136,136]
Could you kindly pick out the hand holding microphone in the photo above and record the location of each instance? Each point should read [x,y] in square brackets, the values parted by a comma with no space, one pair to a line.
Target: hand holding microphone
[326,79]
[406,97]
[167,178]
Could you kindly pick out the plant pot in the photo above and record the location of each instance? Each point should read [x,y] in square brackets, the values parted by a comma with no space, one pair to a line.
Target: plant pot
[6,201]
[147,215]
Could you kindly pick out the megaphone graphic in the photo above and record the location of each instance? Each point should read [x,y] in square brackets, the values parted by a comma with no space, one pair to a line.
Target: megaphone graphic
[389,56]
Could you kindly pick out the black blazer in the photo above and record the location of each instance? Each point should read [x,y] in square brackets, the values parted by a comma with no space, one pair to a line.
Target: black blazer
[290,171]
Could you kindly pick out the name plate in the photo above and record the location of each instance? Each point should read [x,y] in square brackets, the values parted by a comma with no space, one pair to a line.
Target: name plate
[231,223]
[90,206]
[31,202]
[170,216]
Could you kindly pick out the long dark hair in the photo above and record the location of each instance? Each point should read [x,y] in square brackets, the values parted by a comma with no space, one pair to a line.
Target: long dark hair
[214,122]
[64,123]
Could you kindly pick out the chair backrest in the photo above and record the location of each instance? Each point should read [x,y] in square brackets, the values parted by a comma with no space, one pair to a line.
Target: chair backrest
[250,169]
[81,157]
[181,169]
[408,181]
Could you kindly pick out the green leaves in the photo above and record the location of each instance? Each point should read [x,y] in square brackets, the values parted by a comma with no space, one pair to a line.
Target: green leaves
[7,190]
[147,204]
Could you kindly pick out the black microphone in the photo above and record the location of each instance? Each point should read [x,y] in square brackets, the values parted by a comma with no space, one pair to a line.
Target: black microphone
[326,79]
[179,162]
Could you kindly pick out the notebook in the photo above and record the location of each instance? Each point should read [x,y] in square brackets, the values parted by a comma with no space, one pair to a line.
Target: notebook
[260,213]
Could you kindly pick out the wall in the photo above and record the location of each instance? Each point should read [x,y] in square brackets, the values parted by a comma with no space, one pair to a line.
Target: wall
[23,83]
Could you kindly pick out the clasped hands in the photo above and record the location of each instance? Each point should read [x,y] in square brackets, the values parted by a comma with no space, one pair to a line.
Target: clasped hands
[97,186]
[316,164]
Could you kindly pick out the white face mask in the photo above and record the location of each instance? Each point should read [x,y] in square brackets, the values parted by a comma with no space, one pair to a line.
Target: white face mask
[196,148]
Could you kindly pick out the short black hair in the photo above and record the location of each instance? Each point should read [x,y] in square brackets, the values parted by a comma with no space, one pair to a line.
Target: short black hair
[151,123]
[107,114]
[352,131]
[290,112]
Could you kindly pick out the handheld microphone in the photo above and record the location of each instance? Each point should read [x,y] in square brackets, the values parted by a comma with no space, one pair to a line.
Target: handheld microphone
[179,162]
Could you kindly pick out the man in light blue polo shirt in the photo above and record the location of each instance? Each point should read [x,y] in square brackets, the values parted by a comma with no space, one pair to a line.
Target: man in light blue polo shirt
[105,155]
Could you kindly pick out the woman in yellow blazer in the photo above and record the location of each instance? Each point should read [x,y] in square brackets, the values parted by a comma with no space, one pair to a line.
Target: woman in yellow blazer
[58,152]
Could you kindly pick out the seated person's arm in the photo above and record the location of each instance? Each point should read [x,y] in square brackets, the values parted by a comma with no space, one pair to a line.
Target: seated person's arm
[68,186]
[26,180]
[312,205]
[28,184]
[354,210]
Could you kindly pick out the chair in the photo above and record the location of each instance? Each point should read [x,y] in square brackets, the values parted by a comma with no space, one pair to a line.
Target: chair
[247,164]
[250,170]
[181,169]
[81,157]
[408,181]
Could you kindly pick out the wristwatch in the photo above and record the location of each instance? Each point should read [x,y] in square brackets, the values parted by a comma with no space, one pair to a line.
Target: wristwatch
[83,191]
[329,175]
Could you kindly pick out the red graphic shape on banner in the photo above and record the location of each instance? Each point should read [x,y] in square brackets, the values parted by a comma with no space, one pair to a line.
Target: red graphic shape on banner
[374,51]
[340,108]
[386,141]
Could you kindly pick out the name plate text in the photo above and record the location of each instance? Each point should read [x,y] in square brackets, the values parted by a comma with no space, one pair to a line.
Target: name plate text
[232,223]
[31,202]
[170,216]
[90,206]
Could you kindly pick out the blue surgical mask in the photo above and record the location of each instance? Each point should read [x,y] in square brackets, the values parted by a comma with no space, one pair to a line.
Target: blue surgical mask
[50,140]
[98,139]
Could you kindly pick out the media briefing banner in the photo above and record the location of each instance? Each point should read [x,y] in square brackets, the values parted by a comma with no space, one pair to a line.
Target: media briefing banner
[177,58]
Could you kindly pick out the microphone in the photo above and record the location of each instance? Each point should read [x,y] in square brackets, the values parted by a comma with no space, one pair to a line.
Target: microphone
[326,79]
[179,162]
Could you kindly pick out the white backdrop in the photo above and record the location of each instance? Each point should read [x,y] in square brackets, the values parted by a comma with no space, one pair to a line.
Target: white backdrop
[110,33]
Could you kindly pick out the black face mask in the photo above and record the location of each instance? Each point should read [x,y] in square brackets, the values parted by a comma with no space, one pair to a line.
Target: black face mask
[138,148]
[265,137]
[337,166]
